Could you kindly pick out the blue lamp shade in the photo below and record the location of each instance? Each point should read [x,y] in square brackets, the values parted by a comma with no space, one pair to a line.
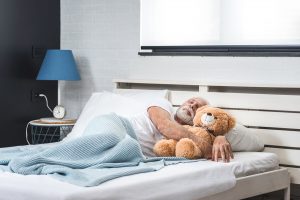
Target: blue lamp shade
[59,65]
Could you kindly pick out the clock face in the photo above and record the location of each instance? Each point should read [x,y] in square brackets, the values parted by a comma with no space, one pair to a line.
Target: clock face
[59,112]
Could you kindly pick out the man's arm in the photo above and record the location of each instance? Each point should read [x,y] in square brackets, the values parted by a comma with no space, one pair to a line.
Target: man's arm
[171,129]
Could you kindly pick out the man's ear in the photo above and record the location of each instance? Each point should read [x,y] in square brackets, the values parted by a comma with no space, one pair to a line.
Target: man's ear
[231,122]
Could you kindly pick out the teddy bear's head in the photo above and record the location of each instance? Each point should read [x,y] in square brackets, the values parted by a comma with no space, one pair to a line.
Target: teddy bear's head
[215,120]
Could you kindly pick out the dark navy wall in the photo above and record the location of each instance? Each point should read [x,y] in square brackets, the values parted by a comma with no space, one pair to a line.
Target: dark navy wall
[27,28]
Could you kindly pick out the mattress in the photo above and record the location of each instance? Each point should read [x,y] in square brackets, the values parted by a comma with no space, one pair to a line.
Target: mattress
[178,181]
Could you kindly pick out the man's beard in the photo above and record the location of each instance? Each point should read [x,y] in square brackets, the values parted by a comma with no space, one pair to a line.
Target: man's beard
[183,114]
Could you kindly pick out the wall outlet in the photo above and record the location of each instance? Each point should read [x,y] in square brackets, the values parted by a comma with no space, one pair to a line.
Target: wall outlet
[38,52]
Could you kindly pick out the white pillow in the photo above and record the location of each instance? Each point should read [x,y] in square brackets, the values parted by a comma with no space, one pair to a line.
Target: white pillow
[104,103]
[242,138]
[125,105]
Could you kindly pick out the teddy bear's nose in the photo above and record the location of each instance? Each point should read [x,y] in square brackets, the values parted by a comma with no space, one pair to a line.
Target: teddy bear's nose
[207,119]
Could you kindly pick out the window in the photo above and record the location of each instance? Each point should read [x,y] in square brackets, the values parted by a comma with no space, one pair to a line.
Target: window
[220,26]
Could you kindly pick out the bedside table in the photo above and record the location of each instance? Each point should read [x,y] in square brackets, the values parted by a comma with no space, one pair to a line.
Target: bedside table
[46,130]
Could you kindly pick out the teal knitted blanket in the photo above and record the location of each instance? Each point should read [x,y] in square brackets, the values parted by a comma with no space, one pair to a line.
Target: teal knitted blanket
[108,149]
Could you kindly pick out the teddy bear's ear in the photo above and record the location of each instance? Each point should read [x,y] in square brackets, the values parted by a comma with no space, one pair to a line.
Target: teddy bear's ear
[231,122]
[201,108]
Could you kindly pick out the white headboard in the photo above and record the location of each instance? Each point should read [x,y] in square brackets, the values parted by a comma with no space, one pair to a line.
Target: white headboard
[273,109]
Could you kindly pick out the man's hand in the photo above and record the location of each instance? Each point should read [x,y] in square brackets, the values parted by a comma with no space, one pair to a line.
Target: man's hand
[221,148]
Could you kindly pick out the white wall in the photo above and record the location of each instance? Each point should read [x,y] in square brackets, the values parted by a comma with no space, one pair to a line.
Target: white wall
[104,37]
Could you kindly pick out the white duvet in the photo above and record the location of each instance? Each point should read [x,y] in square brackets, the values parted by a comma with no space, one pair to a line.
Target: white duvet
[182,181]
[171,182]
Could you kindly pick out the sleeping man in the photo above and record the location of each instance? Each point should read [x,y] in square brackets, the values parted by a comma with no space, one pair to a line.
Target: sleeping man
[153,118]
[158,121]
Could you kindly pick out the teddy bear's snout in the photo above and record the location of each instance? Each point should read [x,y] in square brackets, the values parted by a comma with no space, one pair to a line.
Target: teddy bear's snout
[207,118]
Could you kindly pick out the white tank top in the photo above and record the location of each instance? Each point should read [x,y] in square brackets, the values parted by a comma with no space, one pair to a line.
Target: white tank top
[145,130]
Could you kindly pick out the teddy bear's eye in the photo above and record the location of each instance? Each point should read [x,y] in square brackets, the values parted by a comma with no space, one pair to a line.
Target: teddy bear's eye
[216,118]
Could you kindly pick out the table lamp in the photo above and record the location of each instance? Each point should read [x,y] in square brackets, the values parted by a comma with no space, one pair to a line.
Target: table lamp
[58,65]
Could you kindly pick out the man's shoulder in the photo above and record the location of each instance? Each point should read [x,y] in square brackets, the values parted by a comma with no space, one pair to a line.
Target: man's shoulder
[160,103]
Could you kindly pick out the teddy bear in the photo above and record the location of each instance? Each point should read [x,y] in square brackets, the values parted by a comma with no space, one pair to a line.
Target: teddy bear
[208,123]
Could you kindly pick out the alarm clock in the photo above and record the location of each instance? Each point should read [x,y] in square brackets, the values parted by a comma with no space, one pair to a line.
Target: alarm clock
[59,112]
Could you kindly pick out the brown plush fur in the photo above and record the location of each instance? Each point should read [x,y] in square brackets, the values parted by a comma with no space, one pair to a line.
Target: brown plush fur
[220,124]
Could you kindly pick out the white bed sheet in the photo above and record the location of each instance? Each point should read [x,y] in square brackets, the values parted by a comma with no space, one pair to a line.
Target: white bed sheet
[179,181]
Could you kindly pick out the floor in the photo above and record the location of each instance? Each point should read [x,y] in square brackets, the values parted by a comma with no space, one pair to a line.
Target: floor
[278,195]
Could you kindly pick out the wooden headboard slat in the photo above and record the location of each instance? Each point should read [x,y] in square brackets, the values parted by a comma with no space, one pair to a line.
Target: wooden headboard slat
[287,156]
[235,100]
[278,137]
[267,119]
[242,100]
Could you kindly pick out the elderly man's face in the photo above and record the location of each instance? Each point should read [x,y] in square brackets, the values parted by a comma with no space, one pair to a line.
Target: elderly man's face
[186,112]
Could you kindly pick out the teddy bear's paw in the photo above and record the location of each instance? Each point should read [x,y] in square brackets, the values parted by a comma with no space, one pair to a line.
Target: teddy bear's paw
[187,148]
[165,148]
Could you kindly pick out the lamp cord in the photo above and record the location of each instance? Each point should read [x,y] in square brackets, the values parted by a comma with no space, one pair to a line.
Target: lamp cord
[42,95]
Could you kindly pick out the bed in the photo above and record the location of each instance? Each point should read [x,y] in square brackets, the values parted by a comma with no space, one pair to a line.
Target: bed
[272,111]
[263,171]
[154,185]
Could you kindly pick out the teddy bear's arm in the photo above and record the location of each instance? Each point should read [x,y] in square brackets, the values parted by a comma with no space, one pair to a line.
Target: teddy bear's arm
[203,139]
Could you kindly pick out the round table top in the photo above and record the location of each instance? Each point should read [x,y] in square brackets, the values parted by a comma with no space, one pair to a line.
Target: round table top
[53,122]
